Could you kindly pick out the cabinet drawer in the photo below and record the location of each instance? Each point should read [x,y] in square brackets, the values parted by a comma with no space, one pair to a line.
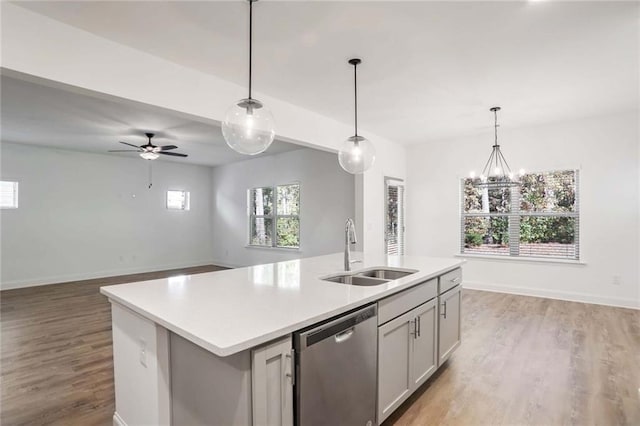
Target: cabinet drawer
[398,304]
[450,280]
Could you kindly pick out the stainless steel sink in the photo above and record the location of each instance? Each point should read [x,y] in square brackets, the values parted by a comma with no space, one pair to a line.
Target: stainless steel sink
[387,273]
[355,280]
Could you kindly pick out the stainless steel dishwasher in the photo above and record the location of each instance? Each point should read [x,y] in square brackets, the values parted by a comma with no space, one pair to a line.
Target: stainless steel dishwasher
[336,371]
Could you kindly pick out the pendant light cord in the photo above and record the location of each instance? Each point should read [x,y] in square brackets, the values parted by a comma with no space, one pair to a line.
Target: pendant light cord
[150,175]
[495,125]
[355,96]
[250,41]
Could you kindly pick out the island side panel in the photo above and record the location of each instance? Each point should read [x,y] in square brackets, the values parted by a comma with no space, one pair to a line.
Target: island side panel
[208,389]
[141,369]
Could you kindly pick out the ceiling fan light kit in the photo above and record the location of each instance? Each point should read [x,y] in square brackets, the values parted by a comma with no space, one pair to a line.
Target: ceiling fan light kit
[147,155]
[496,172]
[248,126]
[357,154]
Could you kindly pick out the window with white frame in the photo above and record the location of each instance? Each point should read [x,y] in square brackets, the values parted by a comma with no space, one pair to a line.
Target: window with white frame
[394,216]
[274,216]
[178,200]
[538,218]
[8,194]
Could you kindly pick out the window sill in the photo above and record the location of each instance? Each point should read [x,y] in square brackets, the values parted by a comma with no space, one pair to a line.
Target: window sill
[522,259]
[270,248]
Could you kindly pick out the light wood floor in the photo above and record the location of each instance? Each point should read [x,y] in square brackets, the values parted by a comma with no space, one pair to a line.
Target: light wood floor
[56,364]
[523,361]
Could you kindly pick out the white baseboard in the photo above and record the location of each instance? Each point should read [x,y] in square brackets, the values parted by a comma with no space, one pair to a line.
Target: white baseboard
[33,282]
[226,264]
[551,294]
[117,420]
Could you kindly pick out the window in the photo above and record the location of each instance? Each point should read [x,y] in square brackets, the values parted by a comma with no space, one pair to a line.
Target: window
[394,217]
[8,194]
[274,216]
[539,218]
[178,200]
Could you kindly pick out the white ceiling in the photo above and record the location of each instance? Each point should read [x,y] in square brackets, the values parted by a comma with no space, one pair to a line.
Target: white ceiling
[431,70]
[67,118]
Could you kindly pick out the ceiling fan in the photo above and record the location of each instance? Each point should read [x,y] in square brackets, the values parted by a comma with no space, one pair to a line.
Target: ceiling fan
[150,151]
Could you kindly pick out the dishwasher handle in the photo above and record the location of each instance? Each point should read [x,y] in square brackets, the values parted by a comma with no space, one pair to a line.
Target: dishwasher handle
[340,329]
[345,335]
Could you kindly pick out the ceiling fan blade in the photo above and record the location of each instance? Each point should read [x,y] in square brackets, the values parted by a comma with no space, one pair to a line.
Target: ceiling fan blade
[124,150]
[168,147]
[135,146]
[174,154]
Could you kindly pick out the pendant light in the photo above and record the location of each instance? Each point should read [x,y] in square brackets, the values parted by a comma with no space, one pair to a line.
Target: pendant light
[496,172]
[248,126]
[357,154]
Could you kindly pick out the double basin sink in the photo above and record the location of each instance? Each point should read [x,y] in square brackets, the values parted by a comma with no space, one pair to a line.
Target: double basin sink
[370,277]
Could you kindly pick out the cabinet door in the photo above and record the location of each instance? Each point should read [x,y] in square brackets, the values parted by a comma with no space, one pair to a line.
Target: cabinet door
[425,343]
[395,352]
[449,330]
[272,384]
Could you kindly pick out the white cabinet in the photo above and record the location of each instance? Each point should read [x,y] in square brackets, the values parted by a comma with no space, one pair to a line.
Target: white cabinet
[406,356]
[425,344]
[272,384]
[449,323]
[395,350]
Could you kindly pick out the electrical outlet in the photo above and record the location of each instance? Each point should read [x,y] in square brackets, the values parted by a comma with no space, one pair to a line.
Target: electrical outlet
[617,280]
[143,352]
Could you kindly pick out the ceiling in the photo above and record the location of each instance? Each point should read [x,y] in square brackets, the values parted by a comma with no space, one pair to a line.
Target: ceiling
[40,113]
[431,70]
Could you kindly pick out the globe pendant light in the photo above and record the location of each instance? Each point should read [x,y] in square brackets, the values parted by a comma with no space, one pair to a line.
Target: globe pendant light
[357,154]
[496,172]
[248,126]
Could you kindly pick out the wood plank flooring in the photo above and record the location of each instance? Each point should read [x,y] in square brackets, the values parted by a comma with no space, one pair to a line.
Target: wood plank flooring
[523,361]
[56,365]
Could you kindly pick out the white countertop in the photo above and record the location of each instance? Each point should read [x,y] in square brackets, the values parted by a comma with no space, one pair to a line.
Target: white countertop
[229,311]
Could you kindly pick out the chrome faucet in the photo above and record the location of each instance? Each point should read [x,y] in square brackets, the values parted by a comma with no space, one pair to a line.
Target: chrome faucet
[349,238]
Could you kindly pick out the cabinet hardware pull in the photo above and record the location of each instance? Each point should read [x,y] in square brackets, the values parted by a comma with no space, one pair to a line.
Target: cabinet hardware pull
[415,329]
[444,314]
[419,326]
[290,374]
[455,280]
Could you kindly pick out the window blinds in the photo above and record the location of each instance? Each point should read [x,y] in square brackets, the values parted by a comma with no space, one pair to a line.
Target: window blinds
[8,195]
[539,218]
[395,218]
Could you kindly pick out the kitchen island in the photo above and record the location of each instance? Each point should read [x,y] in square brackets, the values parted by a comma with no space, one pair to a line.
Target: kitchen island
[200,349]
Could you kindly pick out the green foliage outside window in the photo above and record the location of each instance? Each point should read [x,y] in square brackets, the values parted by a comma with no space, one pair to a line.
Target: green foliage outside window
[288,232]
[279,217]
[547,212]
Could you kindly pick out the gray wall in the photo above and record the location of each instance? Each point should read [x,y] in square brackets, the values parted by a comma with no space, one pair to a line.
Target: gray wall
[327,199]
[87,215]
